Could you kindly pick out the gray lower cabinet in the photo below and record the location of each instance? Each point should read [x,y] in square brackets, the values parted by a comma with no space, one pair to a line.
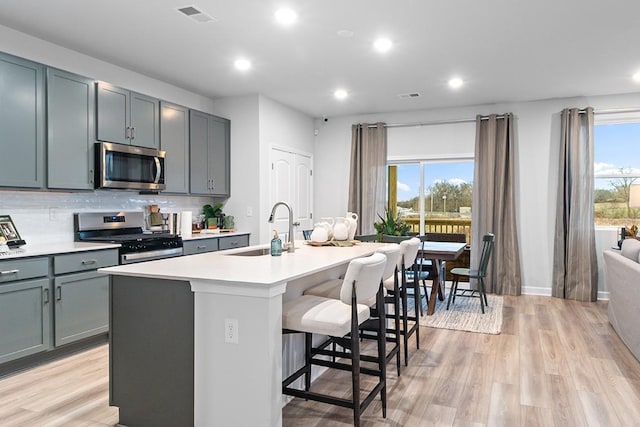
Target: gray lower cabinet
[25,303]
[81,294]
[21,122]
[81,306]
[126,117]
[210,154]
[174,139]
[199,246]
[70,130]
[231,242]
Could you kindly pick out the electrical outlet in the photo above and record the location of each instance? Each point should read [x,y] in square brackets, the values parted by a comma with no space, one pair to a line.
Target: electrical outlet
[249,211]
[231,331]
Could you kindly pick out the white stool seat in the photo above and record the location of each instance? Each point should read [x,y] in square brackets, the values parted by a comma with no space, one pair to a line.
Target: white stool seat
[319,315]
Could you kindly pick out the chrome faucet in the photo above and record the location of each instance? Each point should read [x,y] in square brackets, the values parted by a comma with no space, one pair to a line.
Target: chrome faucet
[290,245]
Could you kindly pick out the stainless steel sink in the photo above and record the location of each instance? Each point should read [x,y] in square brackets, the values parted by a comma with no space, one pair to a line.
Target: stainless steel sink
[253,252]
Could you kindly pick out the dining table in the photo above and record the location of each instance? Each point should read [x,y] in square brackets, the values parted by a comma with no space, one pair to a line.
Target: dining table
[438,252]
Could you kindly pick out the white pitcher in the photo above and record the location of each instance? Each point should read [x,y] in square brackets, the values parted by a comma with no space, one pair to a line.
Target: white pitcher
[352,220]
[330,221]
[320,232]
[340,229]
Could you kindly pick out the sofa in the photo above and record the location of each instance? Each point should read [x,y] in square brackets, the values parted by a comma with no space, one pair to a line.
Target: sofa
[622,279]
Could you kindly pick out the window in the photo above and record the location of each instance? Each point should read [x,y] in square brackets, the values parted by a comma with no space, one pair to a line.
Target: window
[431,175]
[616,167]
[434,196]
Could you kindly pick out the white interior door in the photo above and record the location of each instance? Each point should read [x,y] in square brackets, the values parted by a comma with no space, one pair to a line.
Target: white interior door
[292,183]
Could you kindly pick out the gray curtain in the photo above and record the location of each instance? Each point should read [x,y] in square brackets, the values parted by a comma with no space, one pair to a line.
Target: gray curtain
[575,272]
[494,203]
[367,180]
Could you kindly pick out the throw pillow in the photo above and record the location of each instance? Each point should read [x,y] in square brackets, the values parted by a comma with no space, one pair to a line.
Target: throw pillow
[631,249]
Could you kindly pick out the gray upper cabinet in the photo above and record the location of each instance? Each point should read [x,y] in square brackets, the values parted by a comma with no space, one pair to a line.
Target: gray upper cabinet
[21,122]
[70,130]
[210,151]
[174,139]
[126,117]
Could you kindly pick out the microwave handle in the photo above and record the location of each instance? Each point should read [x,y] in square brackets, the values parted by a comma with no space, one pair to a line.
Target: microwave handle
[158,170]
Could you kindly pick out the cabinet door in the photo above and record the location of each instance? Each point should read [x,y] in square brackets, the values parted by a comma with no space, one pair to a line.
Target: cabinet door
[219,132]
[21,123]
[24,318]
[145,121]
[113,114]
[199,147]
[81,306]
[174,139]
[70,130]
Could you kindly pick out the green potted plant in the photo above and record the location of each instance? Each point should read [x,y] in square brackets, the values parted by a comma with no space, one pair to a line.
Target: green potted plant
[390,225]
[213,215]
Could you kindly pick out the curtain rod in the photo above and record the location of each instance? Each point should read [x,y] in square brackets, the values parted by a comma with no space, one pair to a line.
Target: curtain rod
[435,122]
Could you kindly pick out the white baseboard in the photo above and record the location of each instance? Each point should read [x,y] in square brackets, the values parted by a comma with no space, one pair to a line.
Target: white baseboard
[534,290]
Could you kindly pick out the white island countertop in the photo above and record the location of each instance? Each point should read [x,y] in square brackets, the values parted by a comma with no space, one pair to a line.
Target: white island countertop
[226,267]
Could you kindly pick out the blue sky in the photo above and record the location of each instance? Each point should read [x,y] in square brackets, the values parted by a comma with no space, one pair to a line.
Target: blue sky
[409,176]
[616,146]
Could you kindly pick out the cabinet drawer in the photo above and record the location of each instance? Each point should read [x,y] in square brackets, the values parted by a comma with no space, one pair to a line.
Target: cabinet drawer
[231,242]
[25,268]
[82,261]
[200,246]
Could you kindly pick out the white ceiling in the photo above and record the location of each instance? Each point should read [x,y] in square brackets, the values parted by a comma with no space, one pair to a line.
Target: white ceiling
[505,50]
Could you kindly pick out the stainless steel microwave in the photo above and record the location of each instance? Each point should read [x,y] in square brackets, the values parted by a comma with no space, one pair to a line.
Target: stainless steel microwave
[129,167]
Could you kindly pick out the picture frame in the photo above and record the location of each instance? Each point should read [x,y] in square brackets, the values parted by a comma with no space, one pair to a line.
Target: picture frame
[9,233]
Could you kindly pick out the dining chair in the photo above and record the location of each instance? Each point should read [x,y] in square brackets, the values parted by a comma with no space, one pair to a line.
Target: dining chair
[366,237]
[307,234]
[428,264]
[479,274]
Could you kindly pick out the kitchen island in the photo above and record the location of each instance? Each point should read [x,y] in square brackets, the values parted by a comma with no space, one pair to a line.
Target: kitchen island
[197,340]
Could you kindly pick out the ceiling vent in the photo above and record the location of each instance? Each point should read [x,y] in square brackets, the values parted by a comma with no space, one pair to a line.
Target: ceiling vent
[409,95]
[195,14]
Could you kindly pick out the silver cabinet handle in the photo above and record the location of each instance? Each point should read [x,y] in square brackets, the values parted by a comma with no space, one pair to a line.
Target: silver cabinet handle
[10,271]
[213,183]
[235,243]
[46,295]
[59,293]
[133,133]
[89,261]
[127,133]
[201,247]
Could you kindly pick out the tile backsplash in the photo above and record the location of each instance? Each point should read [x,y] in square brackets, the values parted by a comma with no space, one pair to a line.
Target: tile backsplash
[47,217]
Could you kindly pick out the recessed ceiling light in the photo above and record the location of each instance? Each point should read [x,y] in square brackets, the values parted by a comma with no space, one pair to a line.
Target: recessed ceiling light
[340,94]
[636,77]
[455,83]
[286,16]
[242,64]
[382,45]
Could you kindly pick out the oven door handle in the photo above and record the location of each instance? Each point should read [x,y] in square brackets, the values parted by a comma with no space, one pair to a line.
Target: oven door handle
[158,170]
[149,255]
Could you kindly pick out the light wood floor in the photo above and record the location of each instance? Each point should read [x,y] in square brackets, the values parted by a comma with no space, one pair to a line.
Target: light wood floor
[556,363]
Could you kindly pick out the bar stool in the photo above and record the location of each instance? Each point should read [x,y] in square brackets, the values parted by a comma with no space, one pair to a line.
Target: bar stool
[340,319]
[407,262]
[331,289]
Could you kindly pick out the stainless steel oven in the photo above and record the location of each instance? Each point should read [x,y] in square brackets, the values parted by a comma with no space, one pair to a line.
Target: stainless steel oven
[129,167]
[126,229]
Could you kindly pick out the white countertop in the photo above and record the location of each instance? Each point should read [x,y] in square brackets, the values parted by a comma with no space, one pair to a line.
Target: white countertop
[223,266]
[198,236]
[31,249]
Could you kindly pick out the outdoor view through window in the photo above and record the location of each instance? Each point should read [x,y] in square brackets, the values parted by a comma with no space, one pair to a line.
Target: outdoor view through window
[446,189]
[616,167]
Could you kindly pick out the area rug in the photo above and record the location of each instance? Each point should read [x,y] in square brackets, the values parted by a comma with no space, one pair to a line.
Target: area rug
[465,315]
